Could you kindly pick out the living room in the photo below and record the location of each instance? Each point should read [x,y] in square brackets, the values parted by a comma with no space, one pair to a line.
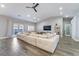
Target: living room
[28,29]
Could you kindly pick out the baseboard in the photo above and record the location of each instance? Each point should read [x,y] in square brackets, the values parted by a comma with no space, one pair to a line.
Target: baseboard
[3,37]
[76,39]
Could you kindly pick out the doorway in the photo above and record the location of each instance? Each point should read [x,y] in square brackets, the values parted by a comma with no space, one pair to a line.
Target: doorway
[67,29]
[67,26]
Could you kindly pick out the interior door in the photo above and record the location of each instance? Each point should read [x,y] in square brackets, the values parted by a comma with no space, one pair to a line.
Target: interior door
[67,29]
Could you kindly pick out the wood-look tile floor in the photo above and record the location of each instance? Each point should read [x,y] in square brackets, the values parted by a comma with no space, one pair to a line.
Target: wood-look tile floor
[16,47]
[67,47]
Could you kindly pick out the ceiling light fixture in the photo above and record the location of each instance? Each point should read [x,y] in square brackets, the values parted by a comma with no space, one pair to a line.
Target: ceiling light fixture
[66,16]
[60,8]
[28,15]
[2,5]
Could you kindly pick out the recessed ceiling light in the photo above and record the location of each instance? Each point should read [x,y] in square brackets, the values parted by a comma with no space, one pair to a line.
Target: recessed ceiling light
[66,16]
[60,8]
[28,15]
[2,5]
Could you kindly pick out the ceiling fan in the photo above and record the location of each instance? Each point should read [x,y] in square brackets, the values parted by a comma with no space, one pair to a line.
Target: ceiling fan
[34,6]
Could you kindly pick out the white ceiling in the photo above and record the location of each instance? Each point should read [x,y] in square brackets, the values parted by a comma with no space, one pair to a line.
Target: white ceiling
[44,10]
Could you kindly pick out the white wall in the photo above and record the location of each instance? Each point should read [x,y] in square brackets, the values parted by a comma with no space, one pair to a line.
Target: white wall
[6,24]
[3,26]
[50,21]
[75,28]
[17,21]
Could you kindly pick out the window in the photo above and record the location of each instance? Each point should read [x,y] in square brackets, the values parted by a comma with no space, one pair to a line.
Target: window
[17,28]
[21,28]
[31,28]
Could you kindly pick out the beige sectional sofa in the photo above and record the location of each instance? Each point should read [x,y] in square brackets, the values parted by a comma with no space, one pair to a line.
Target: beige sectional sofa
[44,41]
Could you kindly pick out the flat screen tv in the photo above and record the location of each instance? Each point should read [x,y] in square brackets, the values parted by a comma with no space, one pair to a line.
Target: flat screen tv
[47,28]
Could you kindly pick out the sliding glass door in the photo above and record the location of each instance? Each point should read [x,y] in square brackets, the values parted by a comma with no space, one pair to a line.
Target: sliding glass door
[15,29]
[18,28]
[21,28]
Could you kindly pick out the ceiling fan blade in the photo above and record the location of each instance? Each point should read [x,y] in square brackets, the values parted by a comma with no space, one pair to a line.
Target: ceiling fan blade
[28,7]
[35,10]
[33,3]
[36,5]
